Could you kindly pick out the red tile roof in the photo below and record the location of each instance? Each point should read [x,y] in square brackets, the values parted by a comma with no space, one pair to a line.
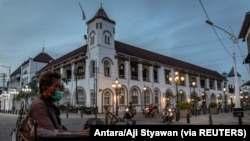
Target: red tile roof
[136,52]
[43,57]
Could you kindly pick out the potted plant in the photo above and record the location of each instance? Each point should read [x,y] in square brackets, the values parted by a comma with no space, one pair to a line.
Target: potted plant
[213,108]
[184,109]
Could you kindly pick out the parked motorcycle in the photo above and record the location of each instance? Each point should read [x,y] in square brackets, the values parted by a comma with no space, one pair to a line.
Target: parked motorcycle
[168,115]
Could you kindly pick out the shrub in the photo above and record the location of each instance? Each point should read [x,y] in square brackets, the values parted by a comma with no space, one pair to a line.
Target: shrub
[212,105]
[184,105]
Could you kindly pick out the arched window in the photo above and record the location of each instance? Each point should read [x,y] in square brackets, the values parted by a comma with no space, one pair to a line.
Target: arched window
[66,98]
[122,97]
[107,98]
[93,69]
[156,97]
[106,68]
[107,36]
[81,98]
[135,96]
[92,98]
[92,37]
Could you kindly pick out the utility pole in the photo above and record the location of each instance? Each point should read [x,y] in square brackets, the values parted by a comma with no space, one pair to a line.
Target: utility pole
[238,110]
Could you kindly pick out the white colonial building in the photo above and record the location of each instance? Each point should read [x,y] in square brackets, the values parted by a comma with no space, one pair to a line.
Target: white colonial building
[144,76]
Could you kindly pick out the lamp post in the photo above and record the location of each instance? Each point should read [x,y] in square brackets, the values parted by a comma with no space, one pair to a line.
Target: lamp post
[116,86]
[76,74]
[193,97]
[181,94]
[203,102]
[225,99]
[237,109]
[26,90]
[231,101]
[14,92]
[218,100]
[178,79]
[144,89]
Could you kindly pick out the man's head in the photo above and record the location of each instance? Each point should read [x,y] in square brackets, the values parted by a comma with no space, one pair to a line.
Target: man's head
[50,81]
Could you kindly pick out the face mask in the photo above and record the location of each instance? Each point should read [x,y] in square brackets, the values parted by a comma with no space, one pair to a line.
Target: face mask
[57,96]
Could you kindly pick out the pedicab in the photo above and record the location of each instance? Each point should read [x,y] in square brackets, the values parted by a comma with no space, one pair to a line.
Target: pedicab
[28,131]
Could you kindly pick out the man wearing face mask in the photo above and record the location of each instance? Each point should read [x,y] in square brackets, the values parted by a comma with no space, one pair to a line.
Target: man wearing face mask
[43,109]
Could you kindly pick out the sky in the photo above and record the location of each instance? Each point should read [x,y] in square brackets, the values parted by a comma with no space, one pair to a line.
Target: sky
[175,28]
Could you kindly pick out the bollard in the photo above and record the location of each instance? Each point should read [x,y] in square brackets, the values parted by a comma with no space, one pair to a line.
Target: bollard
[188,118]
[67,113]
[210,119]
[240,120]
[81,113]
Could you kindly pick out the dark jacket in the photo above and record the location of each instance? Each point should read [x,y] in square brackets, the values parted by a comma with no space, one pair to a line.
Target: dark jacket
[45,113]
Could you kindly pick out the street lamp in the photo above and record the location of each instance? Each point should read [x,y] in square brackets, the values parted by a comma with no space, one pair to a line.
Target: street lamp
[225,99]
[144,89]
[26,90]
[203,97]
[14,93]
[181,94]
[178,79]
[192,97]
[76,75]
[116,86]
[237,109]
[231,101]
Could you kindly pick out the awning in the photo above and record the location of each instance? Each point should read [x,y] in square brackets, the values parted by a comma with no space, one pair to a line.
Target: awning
[247,59]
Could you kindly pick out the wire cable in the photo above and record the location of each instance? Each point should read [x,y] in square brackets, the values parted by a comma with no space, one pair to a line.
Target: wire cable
[215,30]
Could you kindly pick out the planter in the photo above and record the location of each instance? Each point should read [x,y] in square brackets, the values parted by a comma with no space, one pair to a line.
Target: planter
[184,112]
[214,110]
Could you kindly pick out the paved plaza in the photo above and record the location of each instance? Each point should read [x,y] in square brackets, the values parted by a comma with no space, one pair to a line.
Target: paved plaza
[76,122]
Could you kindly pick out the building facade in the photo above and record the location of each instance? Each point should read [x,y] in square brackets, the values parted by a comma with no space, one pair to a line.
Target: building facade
[89,74]
[144,76]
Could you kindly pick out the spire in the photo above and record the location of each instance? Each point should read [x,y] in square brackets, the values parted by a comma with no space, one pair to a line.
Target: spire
[43,46]
[231,73]
[101,14]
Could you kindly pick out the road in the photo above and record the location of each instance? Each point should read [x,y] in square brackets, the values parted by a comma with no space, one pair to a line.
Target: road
[76,122]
